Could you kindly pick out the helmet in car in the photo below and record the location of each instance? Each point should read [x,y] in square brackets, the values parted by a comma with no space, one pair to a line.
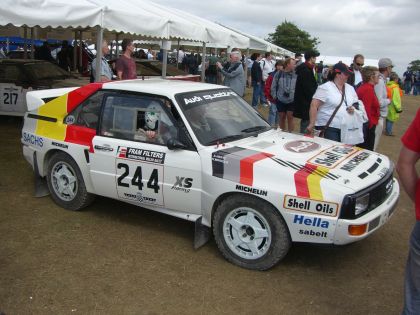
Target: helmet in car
[151,116]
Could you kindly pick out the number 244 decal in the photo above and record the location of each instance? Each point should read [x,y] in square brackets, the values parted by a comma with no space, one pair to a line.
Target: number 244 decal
[137,180]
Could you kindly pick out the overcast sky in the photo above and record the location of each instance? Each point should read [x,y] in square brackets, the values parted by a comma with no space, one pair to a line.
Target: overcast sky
[374,28]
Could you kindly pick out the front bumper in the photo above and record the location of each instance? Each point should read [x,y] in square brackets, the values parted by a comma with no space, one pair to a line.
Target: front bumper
[374,219]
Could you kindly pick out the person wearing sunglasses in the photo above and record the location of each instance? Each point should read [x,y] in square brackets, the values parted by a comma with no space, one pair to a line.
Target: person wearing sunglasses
[356,79]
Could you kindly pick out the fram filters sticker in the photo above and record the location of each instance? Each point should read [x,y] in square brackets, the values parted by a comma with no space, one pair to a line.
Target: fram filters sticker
[333,156]
[311,206]
[141,155]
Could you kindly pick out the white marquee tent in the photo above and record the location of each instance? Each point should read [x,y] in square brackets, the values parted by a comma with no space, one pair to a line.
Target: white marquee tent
[140,18]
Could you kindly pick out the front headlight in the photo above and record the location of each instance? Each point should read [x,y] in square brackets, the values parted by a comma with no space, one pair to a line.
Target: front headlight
[361,204]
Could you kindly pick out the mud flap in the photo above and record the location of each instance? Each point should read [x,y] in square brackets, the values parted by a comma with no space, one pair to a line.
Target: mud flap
[41,187]
[202,234]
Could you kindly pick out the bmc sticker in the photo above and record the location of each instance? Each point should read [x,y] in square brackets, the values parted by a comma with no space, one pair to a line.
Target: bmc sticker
[311,206]
[333,156]
[301,146]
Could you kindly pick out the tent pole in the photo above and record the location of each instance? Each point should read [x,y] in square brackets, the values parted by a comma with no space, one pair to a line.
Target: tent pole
[75,51]
[80,66]
[25,44]
[203,63]
[177,54]
[246,65]
[117,47]
[165,45]
[32,44]
[99,36]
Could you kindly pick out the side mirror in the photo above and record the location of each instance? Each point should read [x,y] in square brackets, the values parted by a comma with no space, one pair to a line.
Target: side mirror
[174,144]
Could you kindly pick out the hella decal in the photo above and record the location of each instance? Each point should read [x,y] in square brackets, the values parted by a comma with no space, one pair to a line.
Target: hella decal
[310,205]
[311,221]
[252,190]
[32,139]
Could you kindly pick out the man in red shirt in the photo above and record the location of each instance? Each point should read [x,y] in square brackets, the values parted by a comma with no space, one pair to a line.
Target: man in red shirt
[366,93]
[125,65]
[406,168]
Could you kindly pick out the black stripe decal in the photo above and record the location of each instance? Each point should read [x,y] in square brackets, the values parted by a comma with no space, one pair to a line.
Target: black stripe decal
[40,117]
[373,168]
[218,158]
[363,175]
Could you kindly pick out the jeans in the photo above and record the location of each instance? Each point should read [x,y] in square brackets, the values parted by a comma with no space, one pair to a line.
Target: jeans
[273,116]
[211,78]
[388,127]
[303,125]
[412,274]
[331,133]
[407,87]
[257,94]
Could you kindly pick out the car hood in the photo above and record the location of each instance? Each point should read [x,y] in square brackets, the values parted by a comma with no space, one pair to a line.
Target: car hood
[275,155]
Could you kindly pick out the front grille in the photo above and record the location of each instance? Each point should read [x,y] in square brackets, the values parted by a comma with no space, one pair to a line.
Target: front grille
[381,192]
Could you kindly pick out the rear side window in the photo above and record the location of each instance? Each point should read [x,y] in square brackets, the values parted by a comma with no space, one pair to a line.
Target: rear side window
[9,73]
[87,113]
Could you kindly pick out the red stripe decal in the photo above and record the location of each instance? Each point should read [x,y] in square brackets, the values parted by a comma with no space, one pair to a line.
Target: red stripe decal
[77,96]
[301,182]
[80,135]
[247,167]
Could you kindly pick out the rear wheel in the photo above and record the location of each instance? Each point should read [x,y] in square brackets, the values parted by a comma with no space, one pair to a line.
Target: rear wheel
[250,232]
[66,184]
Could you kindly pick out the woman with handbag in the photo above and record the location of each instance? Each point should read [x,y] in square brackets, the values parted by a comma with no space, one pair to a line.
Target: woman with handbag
[331,103]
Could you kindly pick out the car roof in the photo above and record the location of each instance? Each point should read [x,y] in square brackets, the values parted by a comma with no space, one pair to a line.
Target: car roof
[167,88]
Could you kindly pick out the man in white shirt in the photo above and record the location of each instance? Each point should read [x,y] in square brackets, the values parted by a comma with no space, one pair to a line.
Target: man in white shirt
[385,66]
[267,66]
[106,72]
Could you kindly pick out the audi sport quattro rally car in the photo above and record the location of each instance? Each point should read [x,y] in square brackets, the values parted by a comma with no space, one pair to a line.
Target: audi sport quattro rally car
[200,152]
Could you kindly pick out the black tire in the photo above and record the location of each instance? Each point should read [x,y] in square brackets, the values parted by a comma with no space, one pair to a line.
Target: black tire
[255,250]
[64,174]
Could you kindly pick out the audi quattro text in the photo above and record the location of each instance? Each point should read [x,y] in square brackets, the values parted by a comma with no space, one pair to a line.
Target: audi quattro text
[200,152]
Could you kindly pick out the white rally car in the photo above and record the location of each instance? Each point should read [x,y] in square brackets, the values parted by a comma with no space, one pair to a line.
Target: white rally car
[200,152]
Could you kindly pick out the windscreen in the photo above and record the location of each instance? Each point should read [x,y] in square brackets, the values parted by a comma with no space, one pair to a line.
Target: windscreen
[46,71]
[220,116]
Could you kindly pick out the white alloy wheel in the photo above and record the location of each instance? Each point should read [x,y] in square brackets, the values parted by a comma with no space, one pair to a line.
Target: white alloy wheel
[64,181]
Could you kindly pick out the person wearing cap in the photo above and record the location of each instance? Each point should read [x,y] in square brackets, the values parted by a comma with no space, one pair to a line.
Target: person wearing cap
[366,93]
[306,85]
[385,68]
[327,98]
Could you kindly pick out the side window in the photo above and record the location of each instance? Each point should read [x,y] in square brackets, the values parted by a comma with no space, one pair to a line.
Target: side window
[87,113]
[9,73]
[138,118]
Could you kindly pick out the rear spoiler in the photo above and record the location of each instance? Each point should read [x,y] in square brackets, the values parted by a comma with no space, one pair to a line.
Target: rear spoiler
[35,99]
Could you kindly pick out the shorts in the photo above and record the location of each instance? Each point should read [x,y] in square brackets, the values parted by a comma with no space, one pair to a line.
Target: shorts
[285,107]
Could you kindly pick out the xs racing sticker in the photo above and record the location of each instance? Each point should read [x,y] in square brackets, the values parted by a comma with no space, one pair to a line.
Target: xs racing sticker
[317,207]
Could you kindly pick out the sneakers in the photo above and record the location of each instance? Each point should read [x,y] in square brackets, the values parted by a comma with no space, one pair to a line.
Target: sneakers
[265,105]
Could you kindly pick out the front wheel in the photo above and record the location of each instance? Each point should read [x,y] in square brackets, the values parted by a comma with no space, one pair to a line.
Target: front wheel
[250,232]
[66,184]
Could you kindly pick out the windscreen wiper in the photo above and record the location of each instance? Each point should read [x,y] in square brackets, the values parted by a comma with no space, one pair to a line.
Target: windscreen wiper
[225,139]
[255,128]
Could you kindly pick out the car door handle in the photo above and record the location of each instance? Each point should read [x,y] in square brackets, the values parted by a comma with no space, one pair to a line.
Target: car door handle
[105,147]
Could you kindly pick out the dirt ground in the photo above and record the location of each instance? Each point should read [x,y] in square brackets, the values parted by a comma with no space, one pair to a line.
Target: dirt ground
[115,258]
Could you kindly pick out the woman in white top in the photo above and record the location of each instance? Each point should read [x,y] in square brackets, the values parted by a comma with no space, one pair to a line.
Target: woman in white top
[327,98]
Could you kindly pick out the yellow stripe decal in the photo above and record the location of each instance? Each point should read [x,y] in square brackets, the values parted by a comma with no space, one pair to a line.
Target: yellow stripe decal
[314,182]
[57,108]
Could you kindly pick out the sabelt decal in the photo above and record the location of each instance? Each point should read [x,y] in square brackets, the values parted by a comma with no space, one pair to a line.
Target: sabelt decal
[301,146]
[237,164]
[311,206]
[333,156]
[141,155]
[32,139]
[310,232]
